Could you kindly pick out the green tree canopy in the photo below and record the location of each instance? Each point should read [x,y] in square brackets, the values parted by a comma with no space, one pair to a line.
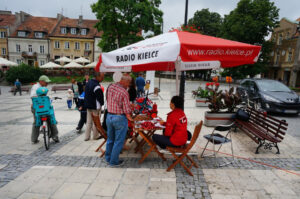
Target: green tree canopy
[122,22]
[208,23]
[250,22]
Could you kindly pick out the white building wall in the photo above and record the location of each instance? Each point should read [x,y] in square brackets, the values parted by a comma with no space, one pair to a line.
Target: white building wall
[24,43]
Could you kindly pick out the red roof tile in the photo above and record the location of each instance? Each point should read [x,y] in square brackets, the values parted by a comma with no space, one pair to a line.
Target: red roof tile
[36,24]
[7,19]
[74,23]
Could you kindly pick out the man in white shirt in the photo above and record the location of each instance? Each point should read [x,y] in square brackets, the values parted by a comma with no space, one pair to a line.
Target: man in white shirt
[43,82]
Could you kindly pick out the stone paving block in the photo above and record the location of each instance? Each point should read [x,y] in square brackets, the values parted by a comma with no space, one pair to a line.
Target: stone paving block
[61,172]
[35,173]
[14,189]
[114,174]
[162,173]
[95,197]
[222,196]
[162,187]
[70,190]
[160,196]
[129,191]
[103,188]
[46,186]
[84,175]
[33,196]
[2,166]
[136,176]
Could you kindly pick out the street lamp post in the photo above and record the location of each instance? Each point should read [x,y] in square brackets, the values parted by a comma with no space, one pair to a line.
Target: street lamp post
[182,78]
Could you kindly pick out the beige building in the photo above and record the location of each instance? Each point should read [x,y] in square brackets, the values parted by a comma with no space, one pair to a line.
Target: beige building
[73,38]
[7,22]
[283,54]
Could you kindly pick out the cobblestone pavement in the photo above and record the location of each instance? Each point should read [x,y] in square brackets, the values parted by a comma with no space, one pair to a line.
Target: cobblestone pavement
[19,158]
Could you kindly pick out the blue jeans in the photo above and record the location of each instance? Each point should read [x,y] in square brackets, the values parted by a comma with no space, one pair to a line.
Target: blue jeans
[140,92]
[69,102]
[117,126]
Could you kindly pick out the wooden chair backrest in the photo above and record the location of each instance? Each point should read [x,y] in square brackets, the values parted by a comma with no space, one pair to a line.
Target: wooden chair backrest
[195,136]
[96,120]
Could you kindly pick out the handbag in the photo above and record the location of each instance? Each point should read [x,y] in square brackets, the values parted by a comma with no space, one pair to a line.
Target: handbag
[242,115]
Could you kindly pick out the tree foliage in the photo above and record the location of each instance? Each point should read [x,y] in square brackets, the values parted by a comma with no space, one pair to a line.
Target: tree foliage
[122,22]
[23,72]
[208,23]
[250,22]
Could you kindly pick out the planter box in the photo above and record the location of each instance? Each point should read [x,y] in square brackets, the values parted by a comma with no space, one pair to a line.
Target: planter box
[216,119]
[200,102]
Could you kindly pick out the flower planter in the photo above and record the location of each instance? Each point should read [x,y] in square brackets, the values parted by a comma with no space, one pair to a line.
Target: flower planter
[215,119]
[200,102]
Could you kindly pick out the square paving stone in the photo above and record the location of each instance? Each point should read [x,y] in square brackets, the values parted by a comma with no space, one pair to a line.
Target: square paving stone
[162,186]
[61,172]
[103,188]
[70,190]
[46,186]
[84,175]
[33,196]
[160,196]
[136,176]
[14,189]
[131,191]
[114,174]
[162,173]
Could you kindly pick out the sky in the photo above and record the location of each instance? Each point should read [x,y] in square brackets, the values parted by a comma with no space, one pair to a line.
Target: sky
[173,9]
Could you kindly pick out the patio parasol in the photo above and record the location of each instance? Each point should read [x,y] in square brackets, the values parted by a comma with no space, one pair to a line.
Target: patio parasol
[51,65]
[5,62]
[73,64]
[82,60]
[63,59]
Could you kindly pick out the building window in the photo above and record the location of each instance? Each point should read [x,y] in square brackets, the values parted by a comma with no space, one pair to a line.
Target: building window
[2,34]
[277,58]
[77,45]
[3,51]
[38,35]
[73,31]
[19,61]
[18,48]
[42,49]
[83,31]
[56,44]
[30,48]
[21,34]
[290,55]
[42,62]
[280,39]
[67,45]
[63,30]
[86,46]
[287,35]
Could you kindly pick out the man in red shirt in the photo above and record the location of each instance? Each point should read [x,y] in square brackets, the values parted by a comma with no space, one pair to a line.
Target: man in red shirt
[119,110]
[176,126]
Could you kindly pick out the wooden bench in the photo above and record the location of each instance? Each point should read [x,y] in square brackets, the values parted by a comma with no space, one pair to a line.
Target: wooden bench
[263,129]
[12,89]
[60,88]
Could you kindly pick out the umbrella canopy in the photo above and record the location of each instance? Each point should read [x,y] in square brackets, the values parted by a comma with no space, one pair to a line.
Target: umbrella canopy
[73,64]
[5,62]
[91,65]
[51,65]
[63,59]
[82,60]
[189,51]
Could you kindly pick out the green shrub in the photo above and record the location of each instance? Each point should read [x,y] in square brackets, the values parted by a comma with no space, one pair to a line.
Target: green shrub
[1,74]
[23,72]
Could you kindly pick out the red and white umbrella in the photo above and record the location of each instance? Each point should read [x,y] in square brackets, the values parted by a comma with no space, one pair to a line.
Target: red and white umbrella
[189,51]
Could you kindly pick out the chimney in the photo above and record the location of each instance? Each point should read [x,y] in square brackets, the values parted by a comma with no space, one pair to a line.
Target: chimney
[59,16]
[80,19]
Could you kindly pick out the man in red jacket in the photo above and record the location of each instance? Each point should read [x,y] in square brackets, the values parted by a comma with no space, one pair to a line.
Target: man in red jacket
[175,133]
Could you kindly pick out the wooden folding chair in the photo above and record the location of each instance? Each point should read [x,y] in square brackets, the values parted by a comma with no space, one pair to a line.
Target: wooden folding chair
[184,151]
[96,120]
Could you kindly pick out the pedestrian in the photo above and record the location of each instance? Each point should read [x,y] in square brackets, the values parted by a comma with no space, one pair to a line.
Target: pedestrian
[70,96]
[93,101]
[82,110]
[119,110]
[75,90]
[132,91]
[85,80]
[18,87]
[175,133]
[43,82]
[140,84]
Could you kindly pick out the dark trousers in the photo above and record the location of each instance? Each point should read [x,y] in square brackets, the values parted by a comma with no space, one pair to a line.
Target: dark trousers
[162,141]
[75,100]
[18,88]
[82,120]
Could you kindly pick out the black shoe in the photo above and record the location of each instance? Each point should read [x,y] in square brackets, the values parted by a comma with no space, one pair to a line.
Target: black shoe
[55,139]
[98,138]
[121,162]
[78,130]
[35,142]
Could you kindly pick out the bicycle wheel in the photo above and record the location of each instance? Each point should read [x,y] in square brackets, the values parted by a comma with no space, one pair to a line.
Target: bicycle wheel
[46,136]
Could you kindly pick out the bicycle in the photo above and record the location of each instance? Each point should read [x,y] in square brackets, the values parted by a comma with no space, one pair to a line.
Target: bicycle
[44,114]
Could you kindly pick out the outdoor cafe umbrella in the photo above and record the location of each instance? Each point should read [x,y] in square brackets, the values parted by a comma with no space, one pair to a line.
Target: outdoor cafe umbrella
[5,62]
[50,65]
[63,59]
[188,51]
[91,65]
[73,64]
[82,60]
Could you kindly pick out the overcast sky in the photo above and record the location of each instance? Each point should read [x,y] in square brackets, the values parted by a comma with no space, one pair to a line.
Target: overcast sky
[173,9]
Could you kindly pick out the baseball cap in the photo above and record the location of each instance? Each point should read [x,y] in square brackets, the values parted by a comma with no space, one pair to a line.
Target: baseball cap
[44,78]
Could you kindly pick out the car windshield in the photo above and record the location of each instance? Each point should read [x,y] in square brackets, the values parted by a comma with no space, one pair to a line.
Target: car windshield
[271,85]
